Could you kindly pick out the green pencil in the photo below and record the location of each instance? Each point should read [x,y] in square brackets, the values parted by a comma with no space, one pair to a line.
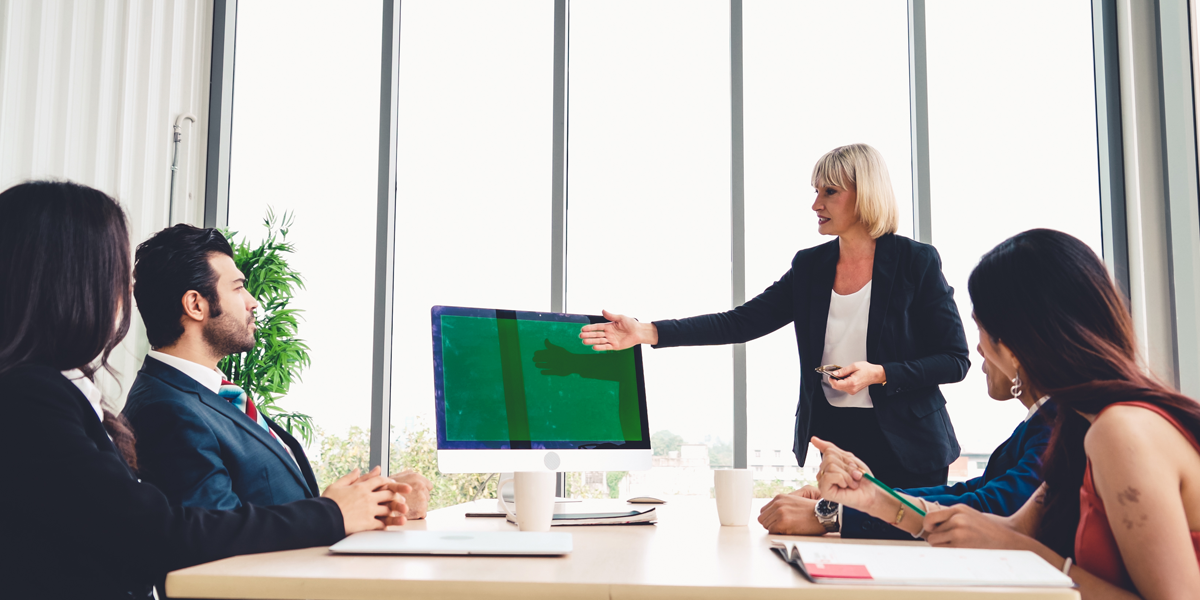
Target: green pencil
[893,493]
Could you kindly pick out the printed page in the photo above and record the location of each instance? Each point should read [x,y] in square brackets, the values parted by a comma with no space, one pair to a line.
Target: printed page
[924,565]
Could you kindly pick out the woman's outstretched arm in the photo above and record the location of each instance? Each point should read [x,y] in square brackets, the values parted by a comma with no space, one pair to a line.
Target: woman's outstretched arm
[764,313]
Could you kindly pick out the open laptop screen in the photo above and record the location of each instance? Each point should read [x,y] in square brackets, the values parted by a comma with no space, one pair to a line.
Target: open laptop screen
[524,380]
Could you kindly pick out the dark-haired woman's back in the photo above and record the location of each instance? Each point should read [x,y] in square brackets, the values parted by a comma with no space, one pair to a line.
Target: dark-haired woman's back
[1136,450]
[77,522]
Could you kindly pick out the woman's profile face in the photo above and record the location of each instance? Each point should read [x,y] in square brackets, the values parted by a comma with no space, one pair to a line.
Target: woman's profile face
[836,209]
[999,387]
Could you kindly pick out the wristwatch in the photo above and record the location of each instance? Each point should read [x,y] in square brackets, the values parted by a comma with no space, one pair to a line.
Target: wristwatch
[827,515]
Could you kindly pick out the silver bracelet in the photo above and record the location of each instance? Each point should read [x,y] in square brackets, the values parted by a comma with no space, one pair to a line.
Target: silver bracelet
[924,507]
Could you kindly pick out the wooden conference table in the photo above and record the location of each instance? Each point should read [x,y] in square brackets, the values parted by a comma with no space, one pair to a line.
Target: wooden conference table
[686,555]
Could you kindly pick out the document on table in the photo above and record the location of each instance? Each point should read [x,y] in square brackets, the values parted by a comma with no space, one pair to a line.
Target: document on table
[862,564]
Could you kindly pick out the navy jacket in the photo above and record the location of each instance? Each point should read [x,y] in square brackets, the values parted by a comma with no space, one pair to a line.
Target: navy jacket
[202,451]
[913,331]
[77,523]
[1012,475]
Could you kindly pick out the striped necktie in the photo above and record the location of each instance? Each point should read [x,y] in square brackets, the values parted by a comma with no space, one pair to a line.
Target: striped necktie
[238,398]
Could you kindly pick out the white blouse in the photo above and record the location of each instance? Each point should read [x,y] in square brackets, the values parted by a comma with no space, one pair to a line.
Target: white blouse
[846,342]
[89,389]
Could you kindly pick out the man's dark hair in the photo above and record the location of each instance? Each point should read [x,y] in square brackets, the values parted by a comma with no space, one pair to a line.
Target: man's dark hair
[171,263]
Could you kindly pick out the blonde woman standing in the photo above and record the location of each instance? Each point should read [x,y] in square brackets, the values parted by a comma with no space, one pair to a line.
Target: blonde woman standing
[869,300]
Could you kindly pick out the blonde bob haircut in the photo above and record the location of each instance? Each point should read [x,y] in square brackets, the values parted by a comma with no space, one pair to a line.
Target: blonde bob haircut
[861,167]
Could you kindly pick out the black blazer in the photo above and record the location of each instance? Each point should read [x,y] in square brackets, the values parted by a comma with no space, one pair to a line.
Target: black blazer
[913,331]
[202,451]
[77,523]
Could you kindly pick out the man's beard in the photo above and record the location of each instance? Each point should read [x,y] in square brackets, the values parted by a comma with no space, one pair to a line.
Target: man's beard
[226,336]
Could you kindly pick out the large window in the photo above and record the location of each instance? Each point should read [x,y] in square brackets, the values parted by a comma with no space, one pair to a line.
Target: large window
[648,207]
[1011,137]
[806,94]
[306,142]
[473,192]
[1012,146]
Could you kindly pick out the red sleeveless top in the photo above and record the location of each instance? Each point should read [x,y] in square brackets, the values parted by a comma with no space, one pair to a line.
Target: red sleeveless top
[1096,549]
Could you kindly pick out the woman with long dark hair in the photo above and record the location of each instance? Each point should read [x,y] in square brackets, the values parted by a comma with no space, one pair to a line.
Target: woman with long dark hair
[76,521]
[1120,507]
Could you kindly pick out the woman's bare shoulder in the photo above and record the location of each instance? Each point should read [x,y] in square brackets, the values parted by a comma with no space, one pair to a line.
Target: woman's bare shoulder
[1123,427]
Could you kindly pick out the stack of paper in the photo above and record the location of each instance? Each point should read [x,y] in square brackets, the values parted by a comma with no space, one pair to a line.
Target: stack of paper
[861,564]
[632,517]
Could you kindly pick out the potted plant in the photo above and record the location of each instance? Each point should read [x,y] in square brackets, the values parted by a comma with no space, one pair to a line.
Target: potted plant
[267,372]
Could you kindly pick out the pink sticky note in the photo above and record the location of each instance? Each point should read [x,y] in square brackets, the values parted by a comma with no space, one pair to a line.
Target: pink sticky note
[833,571]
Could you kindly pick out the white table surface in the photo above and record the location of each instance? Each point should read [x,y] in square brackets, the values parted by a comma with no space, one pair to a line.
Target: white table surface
[688,554]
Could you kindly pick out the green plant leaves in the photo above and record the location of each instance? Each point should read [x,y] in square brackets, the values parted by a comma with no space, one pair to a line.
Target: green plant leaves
[268,371]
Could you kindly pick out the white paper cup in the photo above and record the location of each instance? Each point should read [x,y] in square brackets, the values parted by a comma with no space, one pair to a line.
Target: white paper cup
[533,499]
[735,488]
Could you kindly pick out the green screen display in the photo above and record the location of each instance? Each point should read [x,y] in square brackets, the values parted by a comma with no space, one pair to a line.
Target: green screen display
[529,380]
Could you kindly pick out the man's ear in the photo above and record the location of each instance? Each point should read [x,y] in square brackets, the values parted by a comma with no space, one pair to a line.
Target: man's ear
[195,306]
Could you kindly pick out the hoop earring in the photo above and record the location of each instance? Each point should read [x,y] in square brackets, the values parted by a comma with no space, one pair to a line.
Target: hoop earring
[1016,390]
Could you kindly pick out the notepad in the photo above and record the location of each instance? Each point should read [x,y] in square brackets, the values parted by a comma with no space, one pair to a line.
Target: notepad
[863,564]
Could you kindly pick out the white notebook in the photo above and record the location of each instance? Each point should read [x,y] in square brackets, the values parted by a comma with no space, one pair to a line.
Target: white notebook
[863,564]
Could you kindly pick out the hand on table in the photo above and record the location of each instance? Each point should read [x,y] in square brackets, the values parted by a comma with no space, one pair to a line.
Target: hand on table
[619,333]
[790,514]
[840,478]
[417,497]
[856,377]
[365,501]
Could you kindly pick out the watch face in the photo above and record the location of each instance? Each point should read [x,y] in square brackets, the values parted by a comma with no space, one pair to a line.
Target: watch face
[826,508]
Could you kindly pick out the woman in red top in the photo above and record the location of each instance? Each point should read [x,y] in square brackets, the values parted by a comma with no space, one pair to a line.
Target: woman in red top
[1120,507]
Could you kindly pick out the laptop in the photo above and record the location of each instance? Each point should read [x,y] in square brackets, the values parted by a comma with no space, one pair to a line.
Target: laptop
[507,543]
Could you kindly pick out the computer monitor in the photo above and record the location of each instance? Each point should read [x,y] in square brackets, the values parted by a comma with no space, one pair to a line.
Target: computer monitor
[518,391]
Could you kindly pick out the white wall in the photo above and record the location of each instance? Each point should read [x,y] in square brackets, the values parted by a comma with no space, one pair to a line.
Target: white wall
[89,91]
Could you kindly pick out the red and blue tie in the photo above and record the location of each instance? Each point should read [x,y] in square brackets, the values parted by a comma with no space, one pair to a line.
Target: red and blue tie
[238,398]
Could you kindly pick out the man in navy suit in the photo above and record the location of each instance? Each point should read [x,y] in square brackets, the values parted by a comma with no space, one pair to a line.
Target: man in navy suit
[1011,477]
[199,438]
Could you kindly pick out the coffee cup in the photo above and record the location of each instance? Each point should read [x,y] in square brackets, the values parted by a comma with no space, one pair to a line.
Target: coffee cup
[734,488]
[533,499]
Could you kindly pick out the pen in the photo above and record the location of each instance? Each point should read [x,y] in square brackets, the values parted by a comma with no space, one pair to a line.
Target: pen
[889,490]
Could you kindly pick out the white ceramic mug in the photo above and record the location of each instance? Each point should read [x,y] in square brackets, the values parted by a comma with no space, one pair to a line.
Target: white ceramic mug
[735,488]
[534,499]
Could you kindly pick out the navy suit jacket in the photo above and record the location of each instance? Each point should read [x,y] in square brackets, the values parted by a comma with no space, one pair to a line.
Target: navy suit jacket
[913,331]
[202,451]
[1012,475]
[91,529]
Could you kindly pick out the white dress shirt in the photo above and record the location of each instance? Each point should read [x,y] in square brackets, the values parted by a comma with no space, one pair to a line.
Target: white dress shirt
[209,378]
[89,389]
[1036,405]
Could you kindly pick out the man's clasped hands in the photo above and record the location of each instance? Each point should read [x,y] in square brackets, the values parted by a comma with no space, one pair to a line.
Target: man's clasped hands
[399,498]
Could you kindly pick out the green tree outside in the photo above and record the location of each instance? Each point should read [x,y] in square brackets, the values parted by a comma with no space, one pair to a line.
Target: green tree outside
[770,489]
[664,441]
[339,456]
[613,478]
[720,455]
